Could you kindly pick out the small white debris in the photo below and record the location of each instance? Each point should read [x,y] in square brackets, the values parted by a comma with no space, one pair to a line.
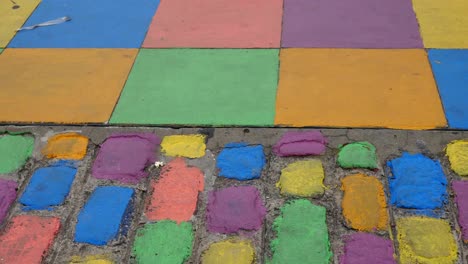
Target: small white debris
[158,164]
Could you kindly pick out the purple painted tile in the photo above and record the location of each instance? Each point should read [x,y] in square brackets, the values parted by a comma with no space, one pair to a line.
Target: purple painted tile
[7,196]
[350,24]
[233,209]
[124,157]
[461,198]
[363,248]
[300,144]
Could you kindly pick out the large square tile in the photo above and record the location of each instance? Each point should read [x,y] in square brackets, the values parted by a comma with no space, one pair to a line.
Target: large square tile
[62,85]
[357,88]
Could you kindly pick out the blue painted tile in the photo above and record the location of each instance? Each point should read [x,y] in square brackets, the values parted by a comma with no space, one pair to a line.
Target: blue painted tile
[94,24]
[450,69]
[48,187]
[417,182]
[241,161]
[105,215]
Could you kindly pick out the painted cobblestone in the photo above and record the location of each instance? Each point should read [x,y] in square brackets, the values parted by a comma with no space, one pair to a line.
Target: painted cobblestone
[183,212]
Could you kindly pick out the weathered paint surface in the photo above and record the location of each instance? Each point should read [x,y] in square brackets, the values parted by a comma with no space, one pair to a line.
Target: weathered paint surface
[66,146]
[457,152]
[14,151]
[461,198]
[7,196]
[240,161]
[94,259]
[190,146]
[302,178]
[14,18]
[364,248]
[300,144]
[230,251]
[357,155]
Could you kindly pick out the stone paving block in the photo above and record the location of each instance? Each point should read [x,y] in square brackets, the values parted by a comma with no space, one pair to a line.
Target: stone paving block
[14,151]
[461,199]
[124,157]
[95,259]
[300,144]
[27,239]
[75,85]
[216,24]
[358,155]
[163,242]
[190,146]
[7,196]
[229,251]
[302,178]
[363,248]
[417,182]
[13,15]
[70,146]
[301,234]
[457,152]
[442,24]
[104,215]
[108,24]
[234,209]
[450,68]
[243,92]
[426,240]
[175,193]
[350,24]
[48,187]
[364,205]
[240,161]
[392,88]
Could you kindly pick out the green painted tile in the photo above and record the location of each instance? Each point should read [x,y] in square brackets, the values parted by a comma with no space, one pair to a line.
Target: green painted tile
[14,151]
[200,87]
[358,155]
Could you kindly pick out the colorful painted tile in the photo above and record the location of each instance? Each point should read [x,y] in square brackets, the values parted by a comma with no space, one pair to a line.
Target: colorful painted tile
[62,85]
[240,161]
[417,182]
[364,205]
[229,251]
[70,146]
[14,151]
[124,157]
[301,144]
[302,178]
[443,24]
[175,193]
[104,216]
[457,152]
[163,242]
[232,209]
[13,15]
[357,155]
[216,24]
[426,240]
[219,87]
[376,88]
[48,187]
[190,146]
[350,24]
[363,248]
[7,197]
[94,24]
[93,259]
[461,198]
[301,227]
[27,239]
[450,69]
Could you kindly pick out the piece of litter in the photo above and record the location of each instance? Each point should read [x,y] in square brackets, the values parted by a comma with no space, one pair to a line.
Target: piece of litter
[47,23]
[158,164]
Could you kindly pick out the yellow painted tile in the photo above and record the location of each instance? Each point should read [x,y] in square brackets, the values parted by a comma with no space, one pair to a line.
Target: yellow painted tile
[190,146]
[62,85]
[443,24]
[14,18]
[302,178]
[457,152]
[364,205]
[66,146]
[357,88]
[231,251]
[96,259]
[426,240]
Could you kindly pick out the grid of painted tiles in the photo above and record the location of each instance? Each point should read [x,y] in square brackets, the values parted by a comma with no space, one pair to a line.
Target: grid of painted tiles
[118,203]
[368,63]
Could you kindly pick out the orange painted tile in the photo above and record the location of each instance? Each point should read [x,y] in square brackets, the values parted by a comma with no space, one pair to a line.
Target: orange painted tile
[364,205]
[216,24]
[66,146]
[27,239]
[175,193]
[357,88]
[62,85]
